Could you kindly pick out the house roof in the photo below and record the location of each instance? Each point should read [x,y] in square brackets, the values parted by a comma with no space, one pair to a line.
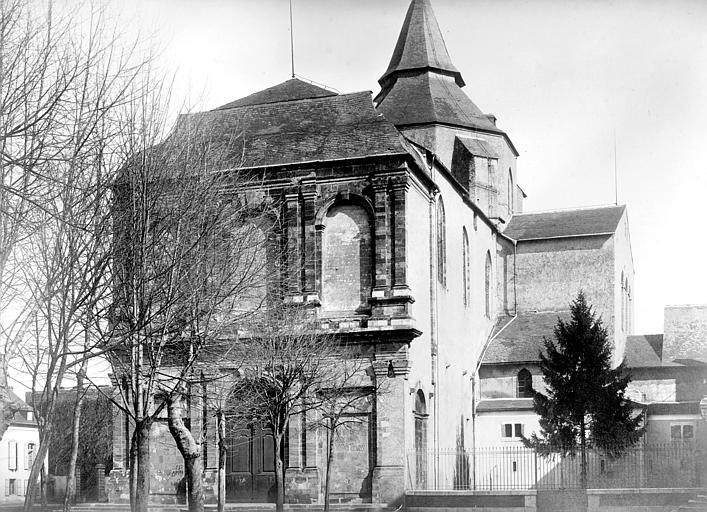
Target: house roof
[323,128]
[522,339]
[674,408]
[290,90]
[505,404]
[565,223]
[420,46]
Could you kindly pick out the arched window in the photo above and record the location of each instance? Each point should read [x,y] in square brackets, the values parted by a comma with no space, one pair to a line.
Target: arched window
[467,268]
[441,244]
[346,258]
[510,191]
[525,384]
[487,274]
[420,414]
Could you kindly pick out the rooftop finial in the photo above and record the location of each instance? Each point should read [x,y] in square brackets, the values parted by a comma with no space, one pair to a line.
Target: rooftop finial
[292,43]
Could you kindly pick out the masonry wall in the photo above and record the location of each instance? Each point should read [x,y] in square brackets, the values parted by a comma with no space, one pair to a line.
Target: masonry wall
[623,266]
[501,381]
[685,329]
[550,273]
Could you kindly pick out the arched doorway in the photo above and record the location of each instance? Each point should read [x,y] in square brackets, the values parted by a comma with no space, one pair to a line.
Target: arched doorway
[421,415]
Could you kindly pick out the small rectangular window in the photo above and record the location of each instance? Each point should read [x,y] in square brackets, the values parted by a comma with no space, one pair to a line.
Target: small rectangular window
[675,431]
[512,430]
[687,432]
[508,430]
[12,488]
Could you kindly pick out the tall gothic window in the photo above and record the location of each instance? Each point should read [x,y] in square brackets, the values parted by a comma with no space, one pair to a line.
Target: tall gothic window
[487,275]
[510,191]
[346,258]
[467,268]
[441,244]
[525,384]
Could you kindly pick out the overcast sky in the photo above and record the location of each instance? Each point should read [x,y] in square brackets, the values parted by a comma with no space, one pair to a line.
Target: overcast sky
[561,76]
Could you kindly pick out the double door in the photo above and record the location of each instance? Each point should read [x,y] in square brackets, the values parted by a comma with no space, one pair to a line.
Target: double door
[250,465]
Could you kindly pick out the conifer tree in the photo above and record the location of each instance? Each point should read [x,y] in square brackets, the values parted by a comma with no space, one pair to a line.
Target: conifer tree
[584,406]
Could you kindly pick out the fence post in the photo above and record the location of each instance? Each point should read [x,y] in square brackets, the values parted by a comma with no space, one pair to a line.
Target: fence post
[535,466]
[100,482]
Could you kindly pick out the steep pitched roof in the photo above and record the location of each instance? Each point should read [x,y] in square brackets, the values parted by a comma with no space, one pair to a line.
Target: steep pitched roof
[644,351]
[325,128]
[431,98]
[420,45]
[290,90]
[421,84]
[557,224]
[522,339]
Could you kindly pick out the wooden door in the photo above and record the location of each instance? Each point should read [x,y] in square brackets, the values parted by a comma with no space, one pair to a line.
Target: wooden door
[250,465]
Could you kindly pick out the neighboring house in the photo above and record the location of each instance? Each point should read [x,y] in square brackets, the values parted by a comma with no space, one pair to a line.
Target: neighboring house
[405,221]
[19,446]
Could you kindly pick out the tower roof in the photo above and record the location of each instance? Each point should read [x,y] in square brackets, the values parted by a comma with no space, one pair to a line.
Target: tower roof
[421,85]
[420,46]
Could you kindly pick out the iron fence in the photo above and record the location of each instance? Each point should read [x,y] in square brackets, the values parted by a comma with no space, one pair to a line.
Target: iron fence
[518,468]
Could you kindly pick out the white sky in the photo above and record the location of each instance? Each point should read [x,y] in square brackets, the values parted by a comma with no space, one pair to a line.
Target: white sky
[562,77]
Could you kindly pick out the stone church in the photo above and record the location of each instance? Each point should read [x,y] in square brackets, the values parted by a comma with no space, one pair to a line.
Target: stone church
[405,211]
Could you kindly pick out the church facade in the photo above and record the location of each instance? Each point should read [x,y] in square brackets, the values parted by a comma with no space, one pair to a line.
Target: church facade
[403,220]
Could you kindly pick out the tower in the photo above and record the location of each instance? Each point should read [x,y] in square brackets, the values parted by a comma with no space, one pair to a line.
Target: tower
[421,94]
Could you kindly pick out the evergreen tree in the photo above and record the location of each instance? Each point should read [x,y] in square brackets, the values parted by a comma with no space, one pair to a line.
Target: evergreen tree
[584,406]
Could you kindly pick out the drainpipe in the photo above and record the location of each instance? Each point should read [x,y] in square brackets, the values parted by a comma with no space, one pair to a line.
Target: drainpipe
[434,324]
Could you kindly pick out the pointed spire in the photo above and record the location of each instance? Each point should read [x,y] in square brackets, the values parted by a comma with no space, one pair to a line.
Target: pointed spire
[420,46]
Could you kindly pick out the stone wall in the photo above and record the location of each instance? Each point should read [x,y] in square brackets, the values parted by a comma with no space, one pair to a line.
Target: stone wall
[685,329]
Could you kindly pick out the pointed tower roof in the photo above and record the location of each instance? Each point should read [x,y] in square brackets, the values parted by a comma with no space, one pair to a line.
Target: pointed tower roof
[420,46]
[421,85]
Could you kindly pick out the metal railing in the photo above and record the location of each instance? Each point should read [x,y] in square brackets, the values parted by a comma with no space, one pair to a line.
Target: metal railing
[518,468]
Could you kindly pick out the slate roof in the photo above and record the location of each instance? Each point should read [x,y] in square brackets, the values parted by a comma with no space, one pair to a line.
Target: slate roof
[522,339]
[644,351]
[674,408]
[566,223]
[421,84]
[431,98]
[325,128]
[290,90]
[420,45]
[505,404]
[478,147]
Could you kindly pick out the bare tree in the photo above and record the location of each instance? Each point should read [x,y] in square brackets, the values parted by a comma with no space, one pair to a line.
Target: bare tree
[188,267]
[291,369]
[344,403]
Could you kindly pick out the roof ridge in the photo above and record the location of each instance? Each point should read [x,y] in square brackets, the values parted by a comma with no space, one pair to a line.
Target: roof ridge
[316,98]
[573,209]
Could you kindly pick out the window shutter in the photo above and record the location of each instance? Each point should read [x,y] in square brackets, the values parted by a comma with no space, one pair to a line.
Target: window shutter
[503,430]
[12,455]
[20,487]
[25,455]
[7,487]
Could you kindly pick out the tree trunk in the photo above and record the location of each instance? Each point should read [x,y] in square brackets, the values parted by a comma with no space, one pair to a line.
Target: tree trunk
[142,458]
[221,424]
[329,455]
[132,469]
[279,473]
[190,449]
[70,494]
[37,468]
[583,471]
[8,408]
